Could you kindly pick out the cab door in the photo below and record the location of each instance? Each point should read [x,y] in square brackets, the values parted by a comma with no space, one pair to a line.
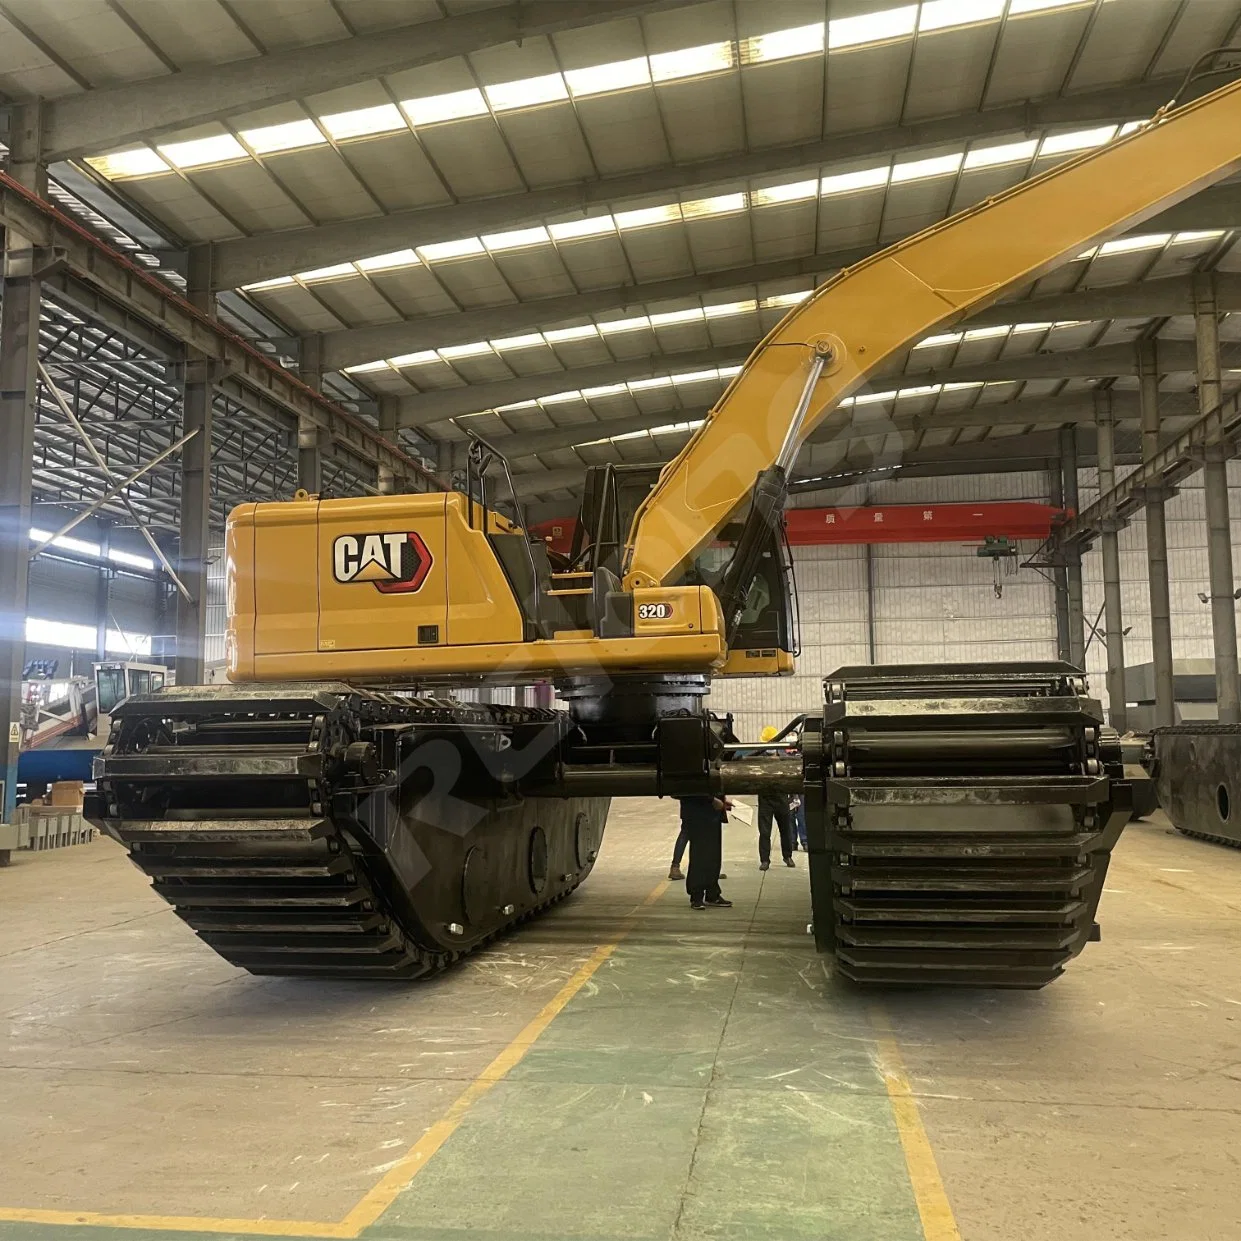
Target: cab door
[383,579]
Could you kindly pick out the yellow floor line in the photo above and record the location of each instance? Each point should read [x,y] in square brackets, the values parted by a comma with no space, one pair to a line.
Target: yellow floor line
[938,1221]
[382,1195]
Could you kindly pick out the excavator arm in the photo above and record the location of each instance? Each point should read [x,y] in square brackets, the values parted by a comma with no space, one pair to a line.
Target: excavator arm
[863,319]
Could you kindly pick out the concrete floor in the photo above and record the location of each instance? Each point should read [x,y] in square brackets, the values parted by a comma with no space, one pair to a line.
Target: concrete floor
[706,1081]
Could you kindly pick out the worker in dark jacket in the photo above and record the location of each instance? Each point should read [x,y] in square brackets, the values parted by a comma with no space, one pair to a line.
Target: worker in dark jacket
[702,821]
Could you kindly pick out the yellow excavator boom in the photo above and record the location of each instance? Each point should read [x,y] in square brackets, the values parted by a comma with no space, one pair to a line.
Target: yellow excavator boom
[867,316]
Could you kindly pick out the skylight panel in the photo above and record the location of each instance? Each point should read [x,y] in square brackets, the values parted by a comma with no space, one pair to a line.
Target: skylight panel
[604,390]
[328,273]
[941,14]
[783,44]
[641,385]
[67,543]
[845,182]
[473,350]
[561,398]
[780,300]
[728,372]
[450,107]
[692,62]
[586,331]
[528,341]
[218,149]
[466,247]
[421,358]
[573,229]
[921,169]
[387,262]
[1078,140]
[721,204]
[277,282]
[625,325]
[270,139]
[645,217]
[942,338]
[673,317]
[363,367]
[128,558]
[1207,234]
[526,92]
[724,309]
[872,27]
[1019,8]
[697,377]
[773,195]
[516,239]
[1143,241]
[619,75]
[142,162]
[1006,153]
[1131,127]
[362,122]
[986,333]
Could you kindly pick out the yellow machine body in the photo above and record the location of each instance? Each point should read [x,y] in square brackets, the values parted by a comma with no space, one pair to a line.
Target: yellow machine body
[315,587]
[407,588]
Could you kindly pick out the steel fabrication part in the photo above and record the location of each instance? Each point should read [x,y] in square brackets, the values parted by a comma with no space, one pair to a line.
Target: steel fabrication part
[960,821]
[1197,771]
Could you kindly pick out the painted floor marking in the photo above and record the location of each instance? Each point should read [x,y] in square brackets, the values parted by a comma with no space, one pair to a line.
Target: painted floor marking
[379,1198]
[938,1221]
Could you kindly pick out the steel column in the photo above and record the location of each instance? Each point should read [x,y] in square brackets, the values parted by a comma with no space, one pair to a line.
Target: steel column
[1072,552]
[1215,480]
[1156,539]
[311,362]
[1060,581]
[20,273]
[310,457]
[195,517]
[103,592]
[388,410]
[1113,622]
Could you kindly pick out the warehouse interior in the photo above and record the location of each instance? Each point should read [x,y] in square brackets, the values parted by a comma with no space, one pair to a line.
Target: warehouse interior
[262,251]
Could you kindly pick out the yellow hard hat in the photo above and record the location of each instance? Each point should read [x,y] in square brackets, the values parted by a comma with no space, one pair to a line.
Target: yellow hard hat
[768,733]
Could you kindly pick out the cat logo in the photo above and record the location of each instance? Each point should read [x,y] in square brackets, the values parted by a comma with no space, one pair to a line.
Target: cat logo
[396,564]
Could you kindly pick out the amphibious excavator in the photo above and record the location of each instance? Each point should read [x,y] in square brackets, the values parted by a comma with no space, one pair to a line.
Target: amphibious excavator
[335,812]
